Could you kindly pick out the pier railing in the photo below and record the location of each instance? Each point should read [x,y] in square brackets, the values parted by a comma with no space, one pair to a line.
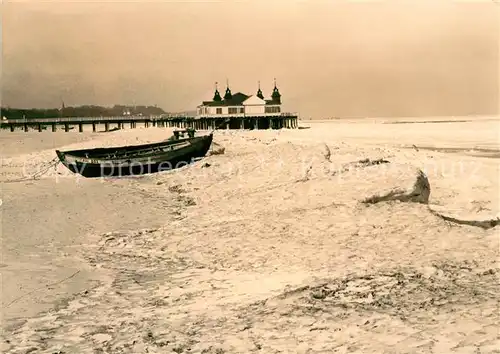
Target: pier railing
[85,119]
[249,115]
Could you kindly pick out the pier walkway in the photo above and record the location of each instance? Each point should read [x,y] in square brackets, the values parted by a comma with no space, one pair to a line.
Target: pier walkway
[266,121]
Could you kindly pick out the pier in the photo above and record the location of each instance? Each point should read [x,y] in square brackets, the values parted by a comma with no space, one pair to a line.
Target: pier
[95,124]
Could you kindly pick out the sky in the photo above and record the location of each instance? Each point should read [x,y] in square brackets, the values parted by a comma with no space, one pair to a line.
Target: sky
[330,58]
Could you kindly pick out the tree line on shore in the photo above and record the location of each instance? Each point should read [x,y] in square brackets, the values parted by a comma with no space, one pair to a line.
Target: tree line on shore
[80,111]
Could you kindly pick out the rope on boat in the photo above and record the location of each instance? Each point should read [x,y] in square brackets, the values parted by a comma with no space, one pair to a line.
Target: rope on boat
[45,167]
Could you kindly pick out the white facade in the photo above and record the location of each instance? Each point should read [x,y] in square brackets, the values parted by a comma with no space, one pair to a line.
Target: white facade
[252,106]
[220,110]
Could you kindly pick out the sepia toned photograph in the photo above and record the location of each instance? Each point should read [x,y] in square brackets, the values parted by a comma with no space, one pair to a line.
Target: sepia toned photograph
[219,177]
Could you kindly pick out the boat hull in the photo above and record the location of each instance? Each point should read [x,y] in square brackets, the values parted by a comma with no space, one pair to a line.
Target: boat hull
[145,163]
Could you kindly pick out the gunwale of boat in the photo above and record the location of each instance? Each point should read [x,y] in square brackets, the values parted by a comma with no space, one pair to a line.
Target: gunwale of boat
[132,147]
[128,155]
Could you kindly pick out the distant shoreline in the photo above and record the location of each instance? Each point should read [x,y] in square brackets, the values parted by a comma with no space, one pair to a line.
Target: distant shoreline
[407,120]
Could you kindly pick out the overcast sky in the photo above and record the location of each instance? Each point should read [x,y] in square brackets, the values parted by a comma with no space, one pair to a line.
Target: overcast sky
[330,58]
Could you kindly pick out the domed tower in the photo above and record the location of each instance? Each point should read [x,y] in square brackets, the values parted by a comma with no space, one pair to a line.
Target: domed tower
[217,94]
[228,95]
[259,93]
[276,96]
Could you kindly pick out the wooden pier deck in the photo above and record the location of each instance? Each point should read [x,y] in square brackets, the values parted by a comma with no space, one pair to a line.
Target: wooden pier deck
[283,120]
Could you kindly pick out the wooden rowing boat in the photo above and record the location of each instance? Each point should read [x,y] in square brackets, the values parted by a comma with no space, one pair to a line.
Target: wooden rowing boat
[135,160]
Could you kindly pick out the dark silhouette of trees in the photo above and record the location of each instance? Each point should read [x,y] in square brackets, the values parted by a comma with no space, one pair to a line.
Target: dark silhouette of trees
[80,111]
